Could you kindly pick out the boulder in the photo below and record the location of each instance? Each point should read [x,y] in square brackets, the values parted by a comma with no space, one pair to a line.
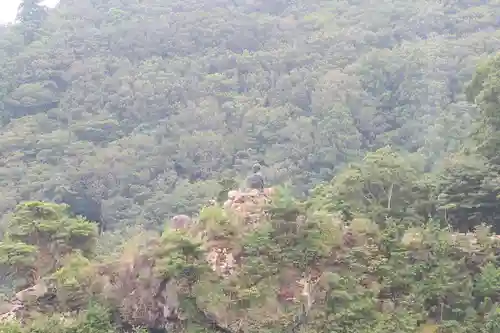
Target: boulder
[249,205]
[232,194]
[181,221]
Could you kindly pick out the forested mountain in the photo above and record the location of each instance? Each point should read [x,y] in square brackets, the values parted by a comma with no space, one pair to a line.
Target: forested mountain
[376,125]
[140,108]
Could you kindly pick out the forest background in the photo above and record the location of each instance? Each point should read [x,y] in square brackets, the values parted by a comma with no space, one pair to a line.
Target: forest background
[133,111]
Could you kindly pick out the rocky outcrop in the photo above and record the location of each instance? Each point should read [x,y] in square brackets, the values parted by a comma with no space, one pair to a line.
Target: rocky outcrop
[27,301]
[222,261]
[181,222]
[142,297]
[11,311]
[248,205]
[131,284]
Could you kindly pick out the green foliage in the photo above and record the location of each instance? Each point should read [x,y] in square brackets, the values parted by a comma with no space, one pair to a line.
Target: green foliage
[95,319]
[488,281]
[40,223]
[217,224]
[227,185]
[31,14]
[385,184]
[142,128]
[136,111]
[10,328]
[14,254]
[283,205]
[40,234]
[468,194]
[483,91]
[180,257]
[18,260]
[72,281]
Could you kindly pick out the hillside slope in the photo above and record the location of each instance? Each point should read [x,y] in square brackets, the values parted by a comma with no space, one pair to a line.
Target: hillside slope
[287,271]
[135,110]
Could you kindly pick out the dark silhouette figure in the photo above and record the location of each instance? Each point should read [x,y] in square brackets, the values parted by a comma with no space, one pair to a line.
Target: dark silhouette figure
[255,180]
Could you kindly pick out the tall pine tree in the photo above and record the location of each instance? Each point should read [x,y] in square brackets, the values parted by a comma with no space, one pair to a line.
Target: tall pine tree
[470,185]
[31,14]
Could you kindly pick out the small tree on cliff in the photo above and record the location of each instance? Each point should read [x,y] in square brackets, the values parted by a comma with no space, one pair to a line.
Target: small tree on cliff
[39,235]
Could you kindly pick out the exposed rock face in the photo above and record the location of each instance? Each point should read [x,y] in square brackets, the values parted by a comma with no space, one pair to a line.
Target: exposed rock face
[131,284]
[11,311]
[143,298]
[24,302]
[467,242]
[181,221]
[222,261]
[248,205]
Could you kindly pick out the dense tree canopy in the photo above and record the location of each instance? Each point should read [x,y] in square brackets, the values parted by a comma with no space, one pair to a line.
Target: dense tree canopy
[40,235]
[377,128]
